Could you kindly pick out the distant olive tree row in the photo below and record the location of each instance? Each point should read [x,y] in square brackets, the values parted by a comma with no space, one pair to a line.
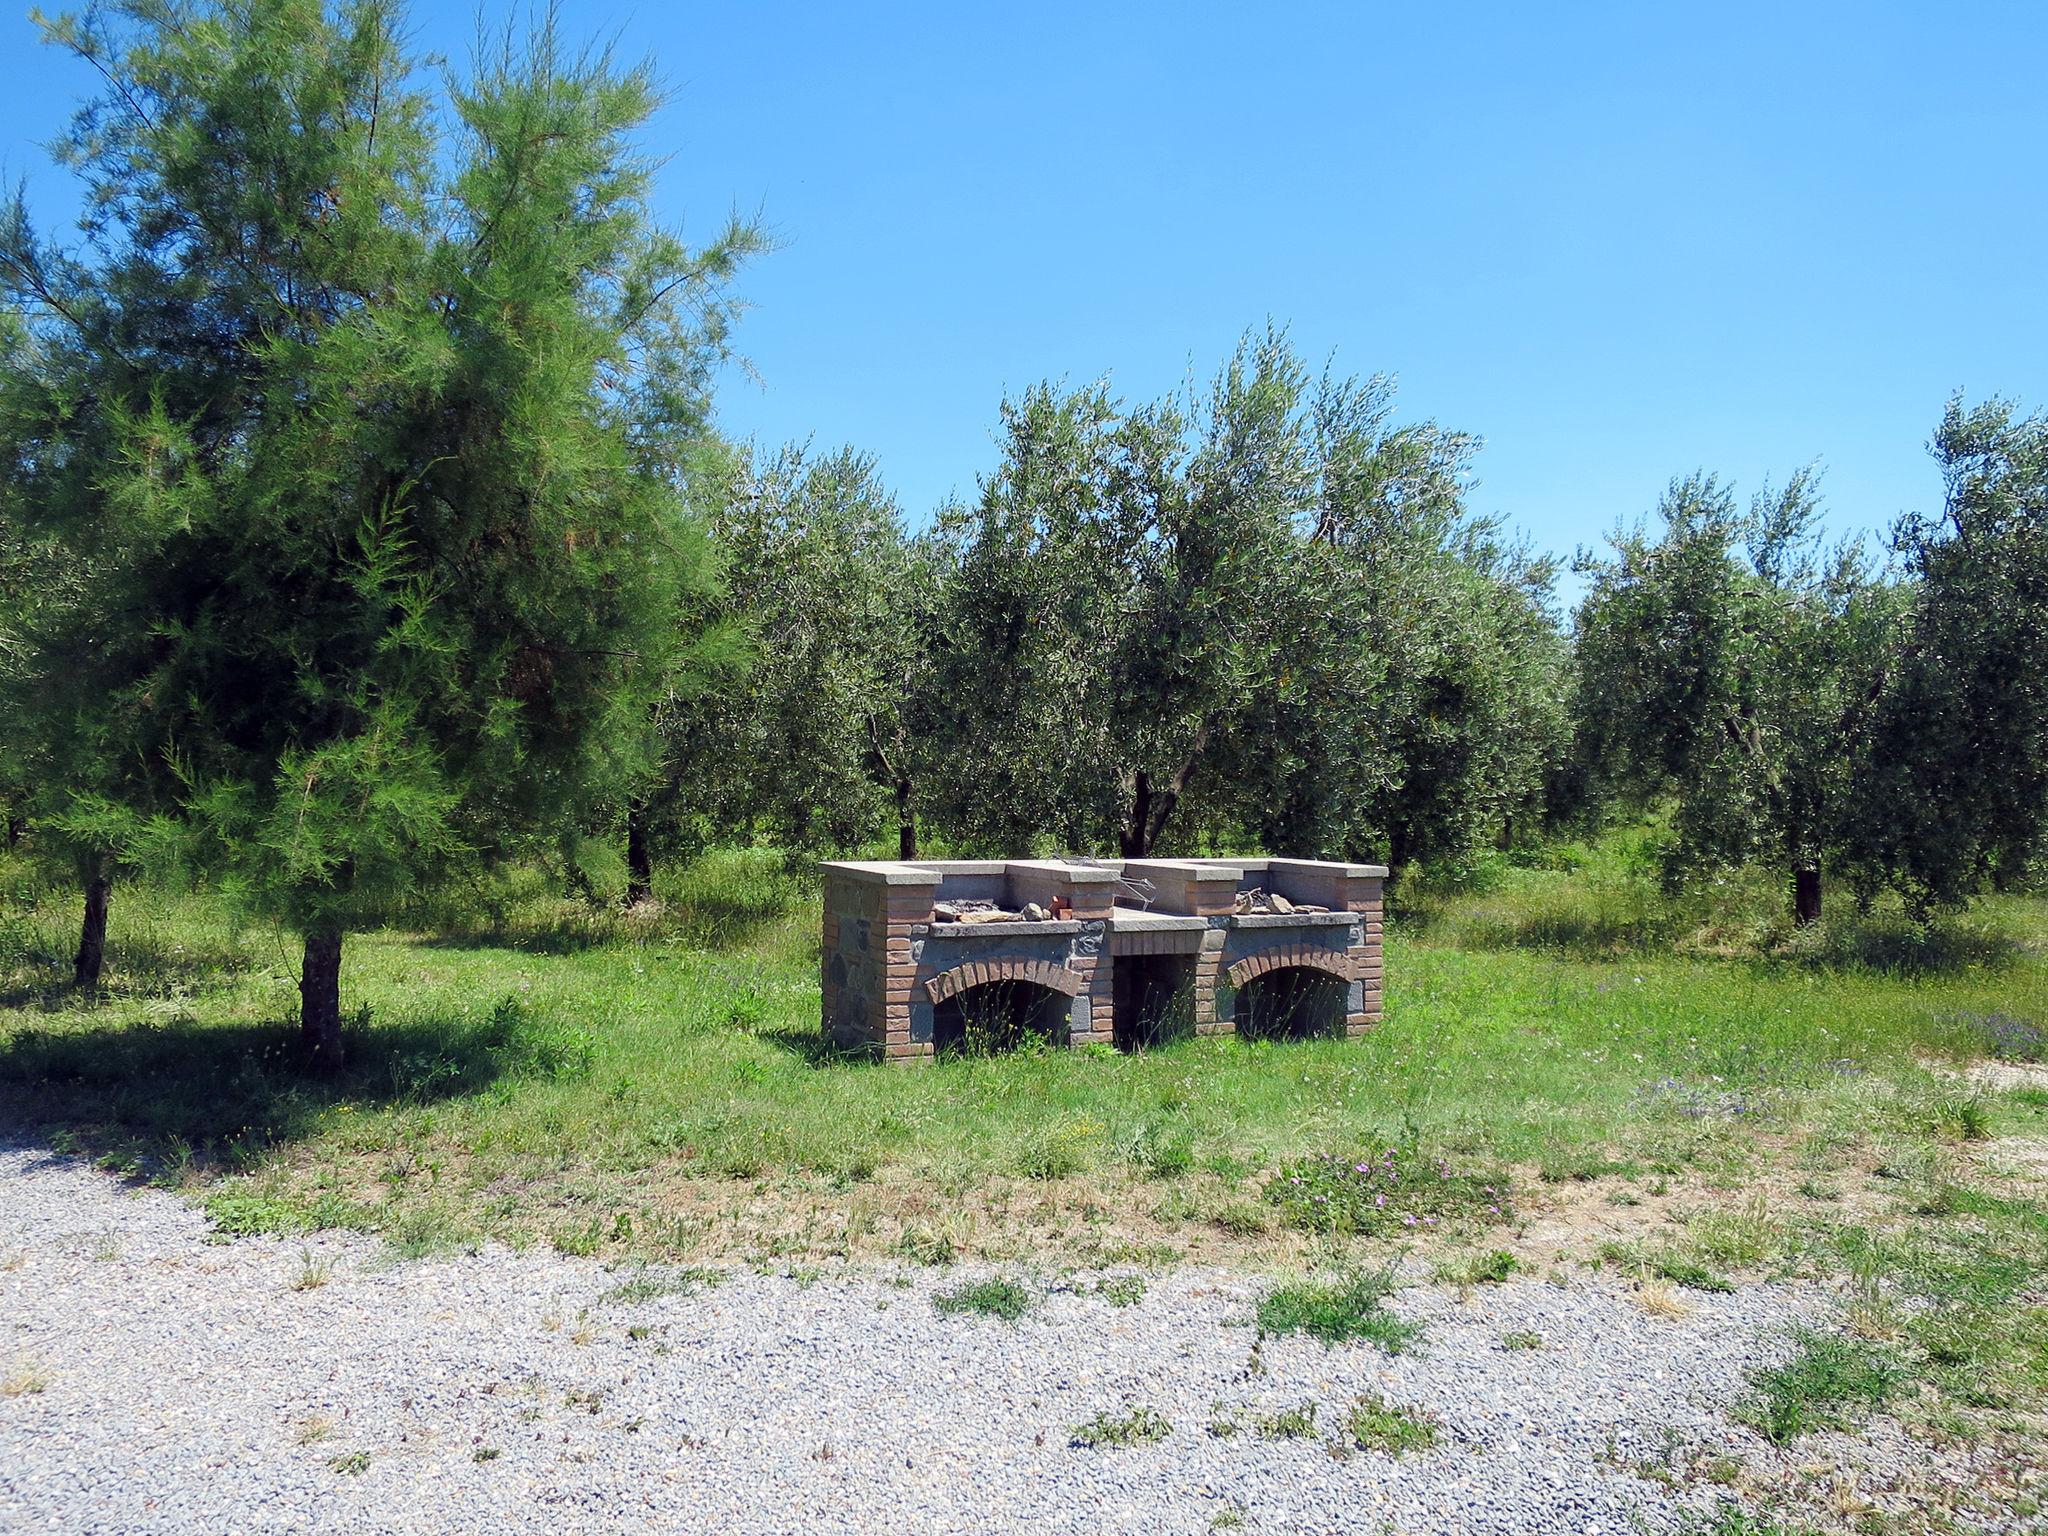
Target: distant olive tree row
[362,524]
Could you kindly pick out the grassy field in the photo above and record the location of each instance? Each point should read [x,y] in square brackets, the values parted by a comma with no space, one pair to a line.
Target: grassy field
[1574,1073]
[657,1086]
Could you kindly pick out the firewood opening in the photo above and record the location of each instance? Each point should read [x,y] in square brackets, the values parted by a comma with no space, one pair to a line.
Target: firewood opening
[999,1016]
[1153,998]
[1292,1003]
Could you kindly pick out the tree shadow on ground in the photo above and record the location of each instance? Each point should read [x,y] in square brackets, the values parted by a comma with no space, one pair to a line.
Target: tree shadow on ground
[140,1093]
[1886,944]
[811,1047]
[137,970]
[714,922]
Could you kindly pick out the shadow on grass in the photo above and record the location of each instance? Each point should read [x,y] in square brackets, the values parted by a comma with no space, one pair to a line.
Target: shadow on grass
[812,1048]
[716,922]
[145,1095]
[1884,944]
[135,969]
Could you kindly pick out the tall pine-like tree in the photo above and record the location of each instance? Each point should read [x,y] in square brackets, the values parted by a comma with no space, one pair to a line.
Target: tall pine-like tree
[367,405]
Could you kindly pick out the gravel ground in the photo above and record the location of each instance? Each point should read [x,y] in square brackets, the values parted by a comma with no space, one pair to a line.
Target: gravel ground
[187,1386]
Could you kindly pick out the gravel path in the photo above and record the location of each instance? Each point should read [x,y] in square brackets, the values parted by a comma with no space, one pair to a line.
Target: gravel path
[186,1386]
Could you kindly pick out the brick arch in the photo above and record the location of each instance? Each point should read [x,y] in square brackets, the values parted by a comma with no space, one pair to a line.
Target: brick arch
[979,973]
[1333,962]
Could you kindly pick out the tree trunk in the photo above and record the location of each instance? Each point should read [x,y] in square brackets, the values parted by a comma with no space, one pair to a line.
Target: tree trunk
[639,856]
[17,825]
[906,822]
[1805,896]
[92,933]
[320,1000]
[1132,839]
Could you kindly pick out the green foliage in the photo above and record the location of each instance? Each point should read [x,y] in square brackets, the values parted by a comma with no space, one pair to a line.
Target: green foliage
[1730,661]
[1832,1382]
[810,745]
[1958,792]
[396,587]
[1397,1190]
[1338,1311]
[1261,615]
[1140,1426]
[1378,1425]
[1000,1298]
[1490,1268]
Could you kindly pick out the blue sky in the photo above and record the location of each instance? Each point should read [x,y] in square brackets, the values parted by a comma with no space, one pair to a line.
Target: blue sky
[1620,242]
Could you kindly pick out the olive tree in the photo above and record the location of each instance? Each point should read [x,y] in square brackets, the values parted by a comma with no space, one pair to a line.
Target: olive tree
[1957,793]
[1732,661]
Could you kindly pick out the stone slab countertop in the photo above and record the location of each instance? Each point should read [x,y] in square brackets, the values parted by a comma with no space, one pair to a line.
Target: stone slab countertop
[1017,930]
[1293,919]
[1126,920]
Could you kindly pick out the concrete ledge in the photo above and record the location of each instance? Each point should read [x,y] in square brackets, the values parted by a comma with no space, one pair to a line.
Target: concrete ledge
[1018,930]
[1294,920]
[878,873]
[1123,920]
[1059,869]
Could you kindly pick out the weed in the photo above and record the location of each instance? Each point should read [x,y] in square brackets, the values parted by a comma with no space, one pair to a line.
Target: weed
[1241,1218]
[1521,1339]
[352,1464]
[1139,1426]
[312,1273]
[1739,1239]
[1479,1268]
[1122,1290]
[651,1284]
[1728,1518]
[1663,1263]
[1961,1117]
[313,1430]
[1833,1382]
[1397,1190]
[929,1246]
[1296,1423]
[1338,1311]
[25,1380]
[1005,1299]
[1658,1299]
[484,1453]
[1378,1425]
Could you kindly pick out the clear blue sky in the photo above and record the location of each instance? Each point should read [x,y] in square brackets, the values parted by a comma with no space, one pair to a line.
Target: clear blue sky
[1619,241]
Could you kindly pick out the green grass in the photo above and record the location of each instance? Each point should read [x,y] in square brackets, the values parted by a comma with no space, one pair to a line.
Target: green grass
[1339,1311]
[1138,1426]
[1004,1299]
[1662,1262]
[1378,1425]
[527,1070]
[1832,1382]
[1493,1267]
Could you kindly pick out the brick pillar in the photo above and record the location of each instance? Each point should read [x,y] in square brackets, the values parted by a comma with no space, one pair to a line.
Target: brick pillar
[1365,895]
[1092,894]
[905,906]
[865,965]
[1211,894]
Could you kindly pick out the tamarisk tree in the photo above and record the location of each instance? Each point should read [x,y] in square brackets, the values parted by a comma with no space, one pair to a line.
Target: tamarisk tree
[394,380]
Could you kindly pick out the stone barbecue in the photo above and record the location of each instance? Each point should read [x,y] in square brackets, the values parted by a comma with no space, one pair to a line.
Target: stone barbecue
[920,957]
